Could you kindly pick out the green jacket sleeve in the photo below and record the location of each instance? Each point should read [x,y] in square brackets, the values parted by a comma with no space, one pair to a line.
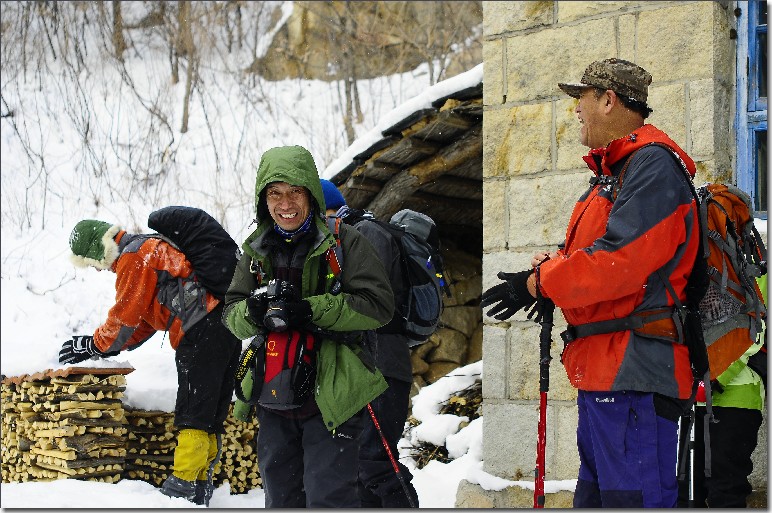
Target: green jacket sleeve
[366,301]
[241,287]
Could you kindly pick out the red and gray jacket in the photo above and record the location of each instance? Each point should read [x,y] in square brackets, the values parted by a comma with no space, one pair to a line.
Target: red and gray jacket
[151,277]
[625,247]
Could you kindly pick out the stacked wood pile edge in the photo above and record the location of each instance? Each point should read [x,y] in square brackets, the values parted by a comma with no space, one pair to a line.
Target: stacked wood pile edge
[73,424]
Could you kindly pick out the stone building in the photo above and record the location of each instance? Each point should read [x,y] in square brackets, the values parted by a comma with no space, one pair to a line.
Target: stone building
[533,174]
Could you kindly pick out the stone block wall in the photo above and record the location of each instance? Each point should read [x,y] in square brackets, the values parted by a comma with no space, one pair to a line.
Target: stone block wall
[533,173]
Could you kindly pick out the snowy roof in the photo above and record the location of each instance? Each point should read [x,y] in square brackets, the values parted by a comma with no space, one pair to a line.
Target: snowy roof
[426,154]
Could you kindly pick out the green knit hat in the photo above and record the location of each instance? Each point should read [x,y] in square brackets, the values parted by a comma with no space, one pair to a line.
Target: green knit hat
[93,244]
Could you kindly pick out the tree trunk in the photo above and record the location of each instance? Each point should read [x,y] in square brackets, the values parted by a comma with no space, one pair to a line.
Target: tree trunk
[119,43]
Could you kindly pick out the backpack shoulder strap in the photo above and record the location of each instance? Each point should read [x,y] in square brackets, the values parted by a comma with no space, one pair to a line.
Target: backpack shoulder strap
[334,255]
[681,166]
[621,176]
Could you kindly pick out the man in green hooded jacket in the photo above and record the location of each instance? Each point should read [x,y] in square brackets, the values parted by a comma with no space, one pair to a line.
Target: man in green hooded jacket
[308,453]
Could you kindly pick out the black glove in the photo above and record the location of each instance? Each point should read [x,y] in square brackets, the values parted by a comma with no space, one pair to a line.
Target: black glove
[80,348]
[508,297]
[257,304]
[285,313]
[541,305]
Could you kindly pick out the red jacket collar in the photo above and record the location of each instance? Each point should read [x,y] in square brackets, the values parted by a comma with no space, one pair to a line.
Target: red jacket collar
[624,146]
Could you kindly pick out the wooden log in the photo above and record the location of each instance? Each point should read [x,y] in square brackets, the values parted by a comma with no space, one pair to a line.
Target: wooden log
[88,442]
[103,404]
[403,185]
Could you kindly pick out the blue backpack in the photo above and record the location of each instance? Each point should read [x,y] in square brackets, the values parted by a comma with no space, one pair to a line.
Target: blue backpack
[418,315]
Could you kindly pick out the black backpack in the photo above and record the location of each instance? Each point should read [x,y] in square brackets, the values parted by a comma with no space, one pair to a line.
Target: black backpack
[422,270]
[208,247]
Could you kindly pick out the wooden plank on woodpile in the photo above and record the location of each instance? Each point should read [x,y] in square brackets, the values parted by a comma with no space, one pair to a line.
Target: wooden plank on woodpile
[74,414]
[375,170]
[470,169]
[362,183]
[464,149]
[412,119]
[153,457]
[77,421]
[356,198]
[89,380]
[90,441]
[342,175]
[134,412]
[51,458]
[72,472]
[445,128]
[66,372]
[103,473]
[96,387]
[375,147]
[453,211]
[103,404]
[78,396]
[396,191]
[406,152]
[135,445]
[468,93]
[454,187]
[473,110]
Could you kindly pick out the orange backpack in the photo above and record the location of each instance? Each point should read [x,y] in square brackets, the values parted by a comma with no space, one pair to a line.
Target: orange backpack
[724,306]
[732,308]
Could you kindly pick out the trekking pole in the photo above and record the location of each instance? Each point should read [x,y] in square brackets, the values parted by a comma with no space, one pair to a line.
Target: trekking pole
[545,340]
[391,457]
[691,459]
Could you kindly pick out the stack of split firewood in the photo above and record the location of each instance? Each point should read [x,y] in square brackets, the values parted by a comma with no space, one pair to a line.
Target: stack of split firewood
[14,445]
[71,423]
[238,462]
[64,425]
[152,439]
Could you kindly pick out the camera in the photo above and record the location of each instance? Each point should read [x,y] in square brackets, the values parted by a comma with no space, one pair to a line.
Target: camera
[278,292]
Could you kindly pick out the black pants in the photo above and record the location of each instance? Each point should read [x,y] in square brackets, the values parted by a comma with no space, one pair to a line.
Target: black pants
[732,441]
[378,485]
[303,465]
[206,363]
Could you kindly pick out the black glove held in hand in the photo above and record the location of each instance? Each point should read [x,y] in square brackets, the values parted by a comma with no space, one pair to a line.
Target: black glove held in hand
[256,307]
[284,314]
[542,304]
[80,348]
[298,312]
[508,297]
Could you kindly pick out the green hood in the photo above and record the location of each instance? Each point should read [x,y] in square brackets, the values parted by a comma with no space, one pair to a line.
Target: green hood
[291,164]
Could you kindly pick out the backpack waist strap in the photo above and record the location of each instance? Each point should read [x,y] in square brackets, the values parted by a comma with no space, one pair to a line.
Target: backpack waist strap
[661,323]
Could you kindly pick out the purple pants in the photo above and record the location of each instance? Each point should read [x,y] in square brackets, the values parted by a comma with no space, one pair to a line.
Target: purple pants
[627,454]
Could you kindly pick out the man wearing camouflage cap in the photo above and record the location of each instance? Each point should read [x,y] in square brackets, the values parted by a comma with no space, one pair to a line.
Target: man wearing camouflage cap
[630,246]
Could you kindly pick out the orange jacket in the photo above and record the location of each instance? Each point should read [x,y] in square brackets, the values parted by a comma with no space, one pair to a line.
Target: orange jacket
[607,268]
[137,313]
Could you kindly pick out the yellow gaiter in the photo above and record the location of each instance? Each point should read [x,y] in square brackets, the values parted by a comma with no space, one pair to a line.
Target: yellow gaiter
[211,455]
[190,456]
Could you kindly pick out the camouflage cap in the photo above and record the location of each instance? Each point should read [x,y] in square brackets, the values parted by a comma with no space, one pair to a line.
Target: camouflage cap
[622,77]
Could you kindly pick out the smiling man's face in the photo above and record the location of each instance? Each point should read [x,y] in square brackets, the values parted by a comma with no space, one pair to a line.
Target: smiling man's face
[289,205]
[590,111]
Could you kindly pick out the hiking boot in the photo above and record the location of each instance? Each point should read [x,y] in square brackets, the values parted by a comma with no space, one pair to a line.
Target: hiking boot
[204,493]
[176,487]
